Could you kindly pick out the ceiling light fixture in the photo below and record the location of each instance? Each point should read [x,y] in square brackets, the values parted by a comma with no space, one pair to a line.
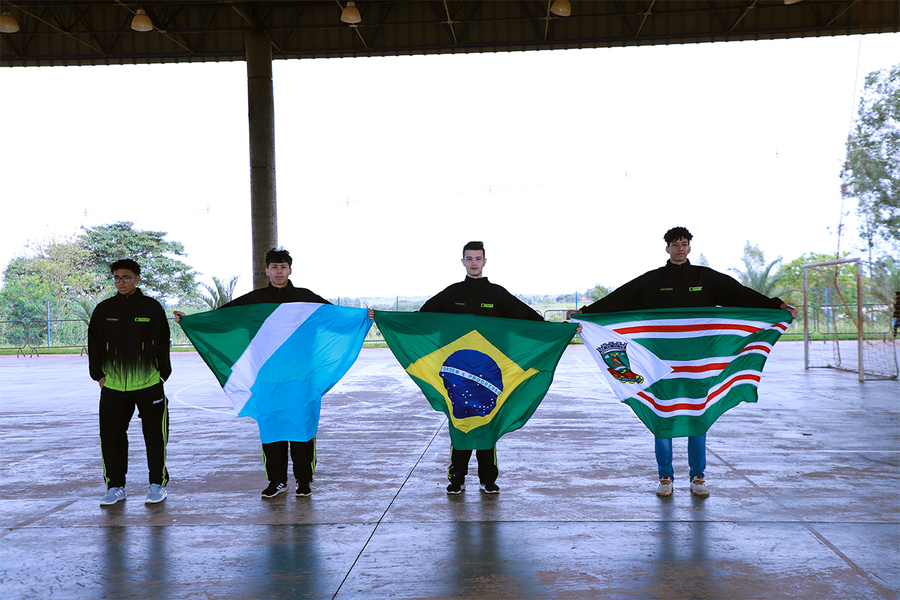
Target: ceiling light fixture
[8,23]
[141,22]
[561,8]
[350,14]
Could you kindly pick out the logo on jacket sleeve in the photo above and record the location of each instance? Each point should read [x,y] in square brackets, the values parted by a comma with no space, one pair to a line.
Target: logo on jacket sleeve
[616,359]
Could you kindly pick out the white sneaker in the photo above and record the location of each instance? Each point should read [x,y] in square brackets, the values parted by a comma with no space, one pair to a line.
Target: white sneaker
[698,487]
[156,494]
[113,495]
[665,487]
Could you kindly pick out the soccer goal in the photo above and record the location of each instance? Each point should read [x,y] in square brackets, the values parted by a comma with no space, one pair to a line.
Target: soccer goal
[840,330]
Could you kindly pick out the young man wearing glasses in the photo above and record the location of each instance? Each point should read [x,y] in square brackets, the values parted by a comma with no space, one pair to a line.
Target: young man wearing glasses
[128,350]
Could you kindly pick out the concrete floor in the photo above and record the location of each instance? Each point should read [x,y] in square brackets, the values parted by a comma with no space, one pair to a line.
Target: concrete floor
[804,502]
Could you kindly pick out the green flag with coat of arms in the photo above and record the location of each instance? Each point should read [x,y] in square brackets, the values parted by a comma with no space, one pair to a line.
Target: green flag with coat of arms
[679,369]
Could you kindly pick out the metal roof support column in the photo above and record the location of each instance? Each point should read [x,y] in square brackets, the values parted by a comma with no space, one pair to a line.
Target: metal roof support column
[261,115]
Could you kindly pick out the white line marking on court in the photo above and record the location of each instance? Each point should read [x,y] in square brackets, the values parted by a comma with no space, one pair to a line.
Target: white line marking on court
[590,368]
[354,382]
[177,398]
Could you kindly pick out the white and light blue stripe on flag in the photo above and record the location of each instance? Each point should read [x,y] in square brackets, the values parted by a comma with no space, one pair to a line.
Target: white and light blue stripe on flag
[298,352]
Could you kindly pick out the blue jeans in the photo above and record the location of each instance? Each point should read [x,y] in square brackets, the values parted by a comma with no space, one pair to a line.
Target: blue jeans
[696,456]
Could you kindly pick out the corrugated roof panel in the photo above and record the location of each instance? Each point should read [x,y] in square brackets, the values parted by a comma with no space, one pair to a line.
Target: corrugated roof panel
[90,32]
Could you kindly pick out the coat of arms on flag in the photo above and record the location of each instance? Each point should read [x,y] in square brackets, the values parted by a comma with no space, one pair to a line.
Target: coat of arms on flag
[275,361]
[615,355]
[487,374]
[624,375]
[680,369]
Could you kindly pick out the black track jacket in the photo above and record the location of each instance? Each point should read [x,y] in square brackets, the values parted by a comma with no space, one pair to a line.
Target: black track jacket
[128,342]
[480,297]
[273,295]
[680,286]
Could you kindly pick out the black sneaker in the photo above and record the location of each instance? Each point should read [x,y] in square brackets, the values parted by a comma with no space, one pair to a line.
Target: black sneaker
[489,488]
[274,489]
[303,489]
[456,486]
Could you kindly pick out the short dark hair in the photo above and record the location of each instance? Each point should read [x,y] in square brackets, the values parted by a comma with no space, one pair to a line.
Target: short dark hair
[676,233]
[126,263]
[278,255]
[473,246]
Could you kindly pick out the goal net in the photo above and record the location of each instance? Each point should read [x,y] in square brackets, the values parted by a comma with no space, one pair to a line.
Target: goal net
[840,329]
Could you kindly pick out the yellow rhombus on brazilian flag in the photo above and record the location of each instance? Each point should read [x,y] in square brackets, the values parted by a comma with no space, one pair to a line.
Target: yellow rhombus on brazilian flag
[487,374]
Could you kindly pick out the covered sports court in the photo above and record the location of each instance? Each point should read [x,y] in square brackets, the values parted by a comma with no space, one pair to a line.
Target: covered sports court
[804,496]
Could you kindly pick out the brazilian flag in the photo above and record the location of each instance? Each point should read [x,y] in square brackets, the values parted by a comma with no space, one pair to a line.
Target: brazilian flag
[487,374]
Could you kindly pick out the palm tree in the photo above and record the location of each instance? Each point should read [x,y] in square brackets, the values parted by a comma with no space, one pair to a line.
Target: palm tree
[756,273]
[220,293]
[84,307]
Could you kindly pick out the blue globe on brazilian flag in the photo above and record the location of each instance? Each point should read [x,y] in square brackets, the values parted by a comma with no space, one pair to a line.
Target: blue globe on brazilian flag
[487,374]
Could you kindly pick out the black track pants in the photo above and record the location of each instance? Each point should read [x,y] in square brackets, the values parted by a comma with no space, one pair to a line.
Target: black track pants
[303,455]
[116,410]
[487,464]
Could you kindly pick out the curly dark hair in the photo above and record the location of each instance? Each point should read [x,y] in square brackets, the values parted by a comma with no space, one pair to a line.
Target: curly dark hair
[676,233]
[125,263]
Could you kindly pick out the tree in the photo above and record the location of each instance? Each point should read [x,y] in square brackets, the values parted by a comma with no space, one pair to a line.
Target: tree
[823,283]
[58,270]
[885,280]
[757,274]
[24,291]
[84,308]
[44,283]
[160,273]
[350,302]
[871,171]
[596,292]
[220,293]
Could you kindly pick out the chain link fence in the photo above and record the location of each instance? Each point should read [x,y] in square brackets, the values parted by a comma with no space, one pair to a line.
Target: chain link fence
[55,332]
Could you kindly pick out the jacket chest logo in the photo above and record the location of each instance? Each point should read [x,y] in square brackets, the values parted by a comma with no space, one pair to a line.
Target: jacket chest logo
[142,319]
[696,288]
[485,305]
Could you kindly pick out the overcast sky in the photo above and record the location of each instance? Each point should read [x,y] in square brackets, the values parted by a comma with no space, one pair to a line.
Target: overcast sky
[569,165]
